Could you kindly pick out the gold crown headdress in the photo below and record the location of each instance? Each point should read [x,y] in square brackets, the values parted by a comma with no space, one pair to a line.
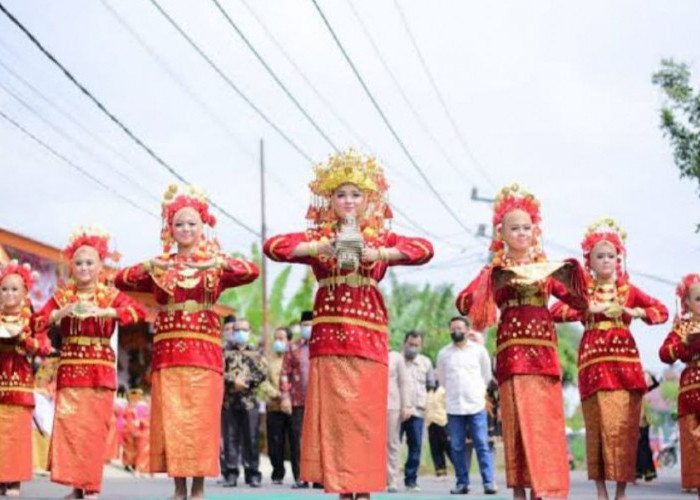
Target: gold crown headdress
[349,167]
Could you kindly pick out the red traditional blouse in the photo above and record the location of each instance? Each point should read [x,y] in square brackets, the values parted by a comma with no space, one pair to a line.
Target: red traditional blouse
[86,357]
[526,340]
[16,375]
[350,318]
[678,346]
[187,331]
[608,358]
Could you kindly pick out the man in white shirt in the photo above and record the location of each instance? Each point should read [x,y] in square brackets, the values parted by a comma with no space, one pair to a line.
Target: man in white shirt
[464,369]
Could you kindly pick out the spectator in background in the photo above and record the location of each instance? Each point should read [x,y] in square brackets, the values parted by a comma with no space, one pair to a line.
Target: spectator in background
[279,423]
[436,421]
[419,373]
[294,381]
[464,368]
[244,370]
[398,411]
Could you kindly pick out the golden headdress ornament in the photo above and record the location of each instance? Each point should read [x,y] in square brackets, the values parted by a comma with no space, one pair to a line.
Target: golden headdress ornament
[349,167]
[177,198]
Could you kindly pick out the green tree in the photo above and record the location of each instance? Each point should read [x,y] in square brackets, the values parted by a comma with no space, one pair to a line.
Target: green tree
[680,116]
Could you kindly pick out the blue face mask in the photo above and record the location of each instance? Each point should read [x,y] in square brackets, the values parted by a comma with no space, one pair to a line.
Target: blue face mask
[279,346]
[240,337]
[306,332]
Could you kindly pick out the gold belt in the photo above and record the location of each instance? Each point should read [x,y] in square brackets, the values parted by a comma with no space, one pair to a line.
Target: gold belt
[353,280]
[80,340]
[529,301]
[693,364]
[8,348]
[605,325]
[188,306]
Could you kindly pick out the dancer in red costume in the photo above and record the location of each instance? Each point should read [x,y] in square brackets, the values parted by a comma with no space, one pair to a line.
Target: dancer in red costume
[518,283]
[187,365]
[683,343]
[17,343]
[87,311]
[611,380]
[349,250]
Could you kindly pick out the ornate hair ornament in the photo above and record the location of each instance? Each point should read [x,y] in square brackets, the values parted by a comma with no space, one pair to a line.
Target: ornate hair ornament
[604,229]
[512,198]
[175,199]
[24,271]
[683,288]
[94,236]
[349,167]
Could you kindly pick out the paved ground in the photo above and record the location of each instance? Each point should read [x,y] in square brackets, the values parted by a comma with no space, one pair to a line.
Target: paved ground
[119,485]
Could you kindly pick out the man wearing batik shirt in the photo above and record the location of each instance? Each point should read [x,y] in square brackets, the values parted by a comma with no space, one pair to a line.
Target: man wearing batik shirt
[245,369]
[294,380]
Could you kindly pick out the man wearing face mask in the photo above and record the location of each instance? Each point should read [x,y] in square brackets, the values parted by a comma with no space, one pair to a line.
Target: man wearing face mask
[419,374]
[464,369]
[279,423]
[293,382]
[245,369]
[226,449]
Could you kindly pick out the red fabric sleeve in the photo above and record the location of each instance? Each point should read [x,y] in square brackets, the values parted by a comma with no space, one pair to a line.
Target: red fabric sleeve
[417,251]
[279,248]
[573,295]
[674,349]
[134,279]
[237,272]
[656,312]
[128,310]
[465,298]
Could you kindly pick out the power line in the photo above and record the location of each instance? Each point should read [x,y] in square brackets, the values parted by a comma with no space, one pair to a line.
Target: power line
[67,115]
[306,79]
[230,83]
[82,147]
[386,121]
[443,104]
[191,94]
[416,115]
[114,119]
[180,83]
[77,167]
[274,76]
[318,93]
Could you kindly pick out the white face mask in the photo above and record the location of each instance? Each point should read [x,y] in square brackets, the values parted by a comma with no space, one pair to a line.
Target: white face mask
[306,332]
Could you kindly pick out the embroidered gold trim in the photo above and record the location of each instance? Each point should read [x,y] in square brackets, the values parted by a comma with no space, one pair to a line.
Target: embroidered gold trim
[101,362]
[81,340]
[606,325]
[539,342]
[274,244]
[350,321]
[353,280]
[603,359]
[186,335]
[525,301]
[16,389]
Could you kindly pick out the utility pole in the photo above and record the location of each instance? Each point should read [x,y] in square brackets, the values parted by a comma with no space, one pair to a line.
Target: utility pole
[263,266]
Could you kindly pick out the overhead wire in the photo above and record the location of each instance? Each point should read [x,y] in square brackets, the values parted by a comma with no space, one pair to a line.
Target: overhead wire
[453,123]
[83,171]
[386,121]
[102,107]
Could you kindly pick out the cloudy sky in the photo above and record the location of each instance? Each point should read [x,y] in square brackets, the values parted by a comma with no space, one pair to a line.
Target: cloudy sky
[555,96]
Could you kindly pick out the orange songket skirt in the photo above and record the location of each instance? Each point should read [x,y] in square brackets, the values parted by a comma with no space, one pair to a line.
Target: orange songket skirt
[186,421]
[612,434]
[15,443]
[532,410]
[79,437]
[689,426]
[343,440]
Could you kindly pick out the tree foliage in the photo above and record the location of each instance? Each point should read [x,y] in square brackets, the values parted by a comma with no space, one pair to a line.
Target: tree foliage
[680,116]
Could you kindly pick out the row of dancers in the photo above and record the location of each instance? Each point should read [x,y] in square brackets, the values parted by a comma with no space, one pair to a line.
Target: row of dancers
[349,246]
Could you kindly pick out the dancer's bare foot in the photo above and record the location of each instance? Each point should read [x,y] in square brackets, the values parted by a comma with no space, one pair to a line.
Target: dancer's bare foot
[76,493]
[197,487]
[519,494]
[362,496]
[621,491]
[601,489]
[180,489]
[346,496]
[12,492]
[91,496]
